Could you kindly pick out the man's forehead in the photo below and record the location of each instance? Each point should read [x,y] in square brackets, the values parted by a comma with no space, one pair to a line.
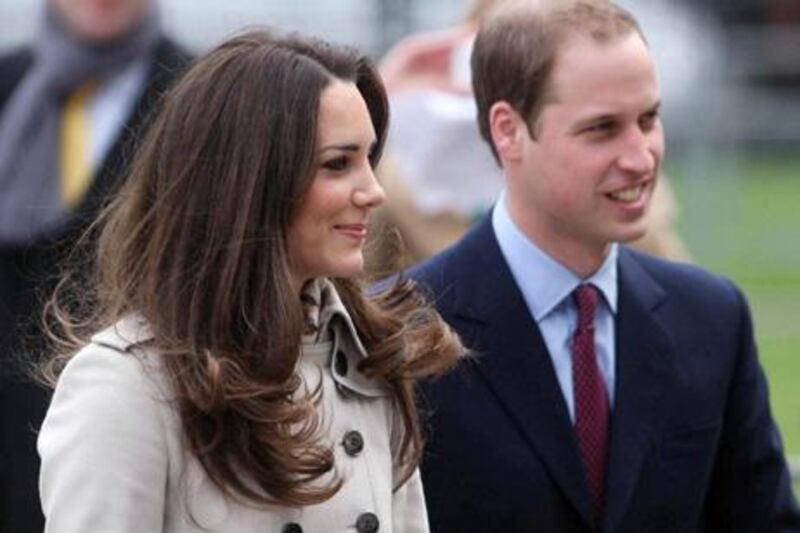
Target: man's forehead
[582,57]
[603,73]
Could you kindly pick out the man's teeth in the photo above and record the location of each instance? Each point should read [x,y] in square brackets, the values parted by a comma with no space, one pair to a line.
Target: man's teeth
[628,195]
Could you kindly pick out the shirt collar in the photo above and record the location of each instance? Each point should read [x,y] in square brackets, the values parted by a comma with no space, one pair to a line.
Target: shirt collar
[529,265]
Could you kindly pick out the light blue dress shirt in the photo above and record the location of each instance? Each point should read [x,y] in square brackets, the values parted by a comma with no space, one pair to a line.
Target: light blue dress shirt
[546,287]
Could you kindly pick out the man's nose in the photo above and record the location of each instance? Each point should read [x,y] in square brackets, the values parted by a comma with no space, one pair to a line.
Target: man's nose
[640,153]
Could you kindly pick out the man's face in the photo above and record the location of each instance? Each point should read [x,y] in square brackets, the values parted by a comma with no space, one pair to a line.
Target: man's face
[100,20]
[587,179]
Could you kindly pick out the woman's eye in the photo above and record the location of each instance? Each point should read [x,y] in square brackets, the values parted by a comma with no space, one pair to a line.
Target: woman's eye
[372,156]
[336,164]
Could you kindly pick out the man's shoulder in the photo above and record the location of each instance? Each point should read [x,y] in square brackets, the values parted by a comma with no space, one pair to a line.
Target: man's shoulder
[439,276]
[679,279]
[431,269]
[477,243]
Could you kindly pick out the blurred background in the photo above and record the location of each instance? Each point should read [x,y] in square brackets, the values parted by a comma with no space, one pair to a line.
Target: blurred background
[730,72]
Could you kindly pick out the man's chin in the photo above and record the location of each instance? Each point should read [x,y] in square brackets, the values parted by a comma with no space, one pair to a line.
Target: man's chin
[631,234]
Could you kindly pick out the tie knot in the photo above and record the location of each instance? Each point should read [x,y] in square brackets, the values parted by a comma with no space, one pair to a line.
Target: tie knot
[586,301]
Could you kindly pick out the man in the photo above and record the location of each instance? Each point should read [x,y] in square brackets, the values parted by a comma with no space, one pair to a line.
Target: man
[71,106]
[433,200]
[608,390]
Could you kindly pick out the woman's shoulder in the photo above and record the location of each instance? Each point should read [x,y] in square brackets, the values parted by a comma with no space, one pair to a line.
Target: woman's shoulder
[116,359]
[127,333]
[108,387]
[109,438]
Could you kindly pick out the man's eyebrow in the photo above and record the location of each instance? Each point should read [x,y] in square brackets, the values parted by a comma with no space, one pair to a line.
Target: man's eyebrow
[654,107]
[610,117]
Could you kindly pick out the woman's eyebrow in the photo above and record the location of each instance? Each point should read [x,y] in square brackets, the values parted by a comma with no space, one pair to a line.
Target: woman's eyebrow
[347,147]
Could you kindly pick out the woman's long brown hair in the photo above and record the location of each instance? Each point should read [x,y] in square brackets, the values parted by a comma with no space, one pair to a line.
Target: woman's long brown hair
[196,244]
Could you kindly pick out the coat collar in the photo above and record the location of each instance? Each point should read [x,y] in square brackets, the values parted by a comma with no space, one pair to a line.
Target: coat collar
[325,308]
[494,319]
[340,340]
[337,332]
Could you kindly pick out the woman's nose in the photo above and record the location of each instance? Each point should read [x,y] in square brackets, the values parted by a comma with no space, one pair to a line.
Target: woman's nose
[370,194]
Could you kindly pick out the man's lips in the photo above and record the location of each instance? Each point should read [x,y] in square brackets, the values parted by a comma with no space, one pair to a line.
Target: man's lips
[630,194]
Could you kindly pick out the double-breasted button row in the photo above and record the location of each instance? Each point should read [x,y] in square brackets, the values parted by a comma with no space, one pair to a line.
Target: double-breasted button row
[353,443]
[367,523]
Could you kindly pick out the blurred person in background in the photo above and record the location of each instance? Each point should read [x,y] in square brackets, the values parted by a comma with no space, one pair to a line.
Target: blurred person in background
[71,105]
[229,374]
[439,178]
[613,390]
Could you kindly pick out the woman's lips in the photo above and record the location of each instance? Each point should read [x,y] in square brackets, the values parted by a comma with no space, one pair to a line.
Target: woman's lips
[356,231]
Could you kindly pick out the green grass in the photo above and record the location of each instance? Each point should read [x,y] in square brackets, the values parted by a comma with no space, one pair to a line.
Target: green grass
[741,218]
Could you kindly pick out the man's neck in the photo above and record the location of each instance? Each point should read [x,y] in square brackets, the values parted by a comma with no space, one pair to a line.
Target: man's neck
[579,257]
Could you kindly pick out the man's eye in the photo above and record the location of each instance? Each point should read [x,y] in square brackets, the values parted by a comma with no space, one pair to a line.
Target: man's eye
[648,120]
[336,164]
[601,127]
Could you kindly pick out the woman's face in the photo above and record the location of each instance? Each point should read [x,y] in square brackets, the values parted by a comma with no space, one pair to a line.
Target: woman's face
[328,230]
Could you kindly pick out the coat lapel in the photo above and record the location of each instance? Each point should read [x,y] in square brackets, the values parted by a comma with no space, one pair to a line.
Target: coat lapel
[515,363]
[643,366]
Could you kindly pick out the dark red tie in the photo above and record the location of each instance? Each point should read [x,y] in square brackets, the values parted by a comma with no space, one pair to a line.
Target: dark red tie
[591,401]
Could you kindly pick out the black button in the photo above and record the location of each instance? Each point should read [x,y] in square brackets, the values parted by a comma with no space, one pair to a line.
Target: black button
[292,527]
[353,443]
[367,523]
[340,363]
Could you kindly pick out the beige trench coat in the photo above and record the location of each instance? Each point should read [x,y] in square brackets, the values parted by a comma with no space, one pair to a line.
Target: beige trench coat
[113,459]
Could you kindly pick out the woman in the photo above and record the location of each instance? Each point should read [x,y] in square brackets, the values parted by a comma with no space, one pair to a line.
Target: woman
[237,379]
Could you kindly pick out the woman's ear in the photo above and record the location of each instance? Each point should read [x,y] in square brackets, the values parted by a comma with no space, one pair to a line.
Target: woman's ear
[507,129]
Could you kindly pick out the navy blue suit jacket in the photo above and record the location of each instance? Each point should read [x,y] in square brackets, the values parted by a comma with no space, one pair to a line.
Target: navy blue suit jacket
[693,444]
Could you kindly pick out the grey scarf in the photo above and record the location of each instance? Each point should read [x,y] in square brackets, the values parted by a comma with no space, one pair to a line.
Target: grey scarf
[30,203]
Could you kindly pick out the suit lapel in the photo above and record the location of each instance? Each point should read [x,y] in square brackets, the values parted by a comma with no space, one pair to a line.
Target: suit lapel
[643,366]
[516,365]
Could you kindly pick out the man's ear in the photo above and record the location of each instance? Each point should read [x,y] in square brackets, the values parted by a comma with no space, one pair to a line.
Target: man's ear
[508,131]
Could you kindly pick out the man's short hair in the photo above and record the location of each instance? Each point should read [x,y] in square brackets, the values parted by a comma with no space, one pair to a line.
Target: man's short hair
[517,44]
